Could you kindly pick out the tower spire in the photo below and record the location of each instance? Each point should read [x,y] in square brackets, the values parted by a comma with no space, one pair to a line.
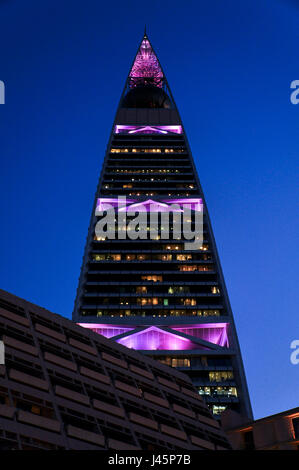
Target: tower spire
[169,301]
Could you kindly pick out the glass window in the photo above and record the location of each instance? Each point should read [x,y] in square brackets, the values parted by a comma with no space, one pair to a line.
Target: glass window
[153,278]
[218,409]
[248,440]
[220,376]
[296,427]
[141,290]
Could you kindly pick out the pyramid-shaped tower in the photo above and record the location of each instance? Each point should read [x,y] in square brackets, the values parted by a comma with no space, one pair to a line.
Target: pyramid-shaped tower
[158,294]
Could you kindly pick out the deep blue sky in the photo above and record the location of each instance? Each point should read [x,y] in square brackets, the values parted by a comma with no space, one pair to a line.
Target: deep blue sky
[229,65]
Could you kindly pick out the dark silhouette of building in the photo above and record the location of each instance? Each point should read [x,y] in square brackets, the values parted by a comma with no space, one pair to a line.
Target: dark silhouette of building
[275,432]
[153,294]
[65,387]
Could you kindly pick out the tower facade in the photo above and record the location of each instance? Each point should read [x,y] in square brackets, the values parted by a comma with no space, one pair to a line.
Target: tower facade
[158,293]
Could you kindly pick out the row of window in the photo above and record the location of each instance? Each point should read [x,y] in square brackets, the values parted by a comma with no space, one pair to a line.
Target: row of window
[131,185]
[217,409]
[221,375]
[175,361]
[155,193]
[214,376]
[154,301]
[156,170]
[169,246]
[173,290]
[144,257]
[216,391]
[156,237]
[147,150]
[168,179]
[142,313]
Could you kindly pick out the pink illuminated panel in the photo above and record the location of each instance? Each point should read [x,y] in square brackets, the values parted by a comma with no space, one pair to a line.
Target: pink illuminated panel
[215,333]
[146,65]
[156,339]
[104,203]
[123,129]
[150,205]
[106,330]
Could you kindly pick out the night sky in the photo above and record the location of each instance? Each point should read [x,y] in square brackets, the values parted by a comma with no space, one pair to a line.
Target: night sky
[229,65]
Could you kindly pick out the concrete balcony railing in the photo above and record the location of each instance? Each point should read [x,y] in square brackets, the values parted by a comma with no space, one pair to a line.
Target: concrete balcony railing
[84,435]
[97,376]
[27,379]
[39,421]
[72,395]
[108,408]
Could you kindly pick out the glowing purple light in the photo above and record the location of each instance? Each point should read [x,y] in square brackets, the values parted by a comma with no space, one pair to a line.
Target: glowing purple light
[106,330]
[154,338]
[215,333]
[105,203]
[146,65]
[150,205]
[124,129]
[195,203]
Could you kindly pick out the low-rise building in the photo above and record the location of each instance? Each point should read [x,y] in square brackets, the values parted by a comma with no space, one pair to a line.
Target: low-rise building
[275,432]
[66,387]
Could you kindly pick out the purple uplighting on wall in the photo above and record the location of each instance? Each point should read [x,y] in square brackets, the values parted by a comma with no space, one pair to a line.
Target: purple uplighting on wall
[154,338]
[150,205]
[105,203]
[106,330]
[196,204]
[146,65]
[215,333]
[123,129]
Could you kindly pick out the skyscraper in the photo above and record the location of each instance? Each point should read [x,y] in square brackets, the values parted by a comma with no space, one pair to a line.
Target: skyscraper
[158,294]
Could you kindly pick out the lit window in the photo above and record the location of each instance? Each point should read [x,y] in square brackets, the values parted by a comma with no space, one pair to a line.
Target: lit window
[35,409]
[218,409]
[188,301]
[204,247]
[130,257]
[166,257]
[215,290]
[220,376]
[116,257]
[180,362]
[183,257]
[187,267]
[141,290]
[99,257]
[153,278]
